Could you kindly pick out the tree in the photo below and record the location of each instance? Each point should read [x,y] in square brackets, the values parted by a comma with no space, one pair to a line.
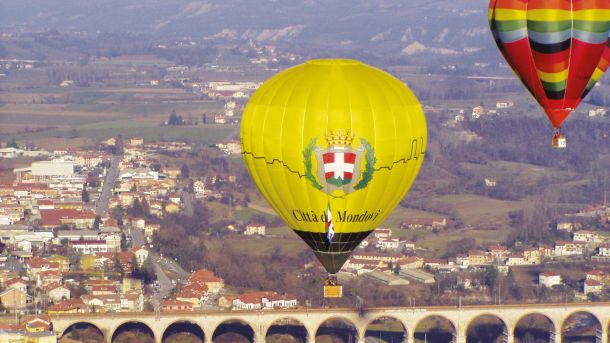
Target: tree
[173,118]
[13,143]
[85,195]
[97,222]
[123,242]
[119,145]
[184,171]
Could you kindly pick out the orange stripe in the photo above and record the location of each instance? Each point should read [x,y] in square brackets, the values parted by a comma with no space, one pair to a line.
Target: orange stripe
[590,4]
[549,4]
[511,4]
[603,64]
[552,67]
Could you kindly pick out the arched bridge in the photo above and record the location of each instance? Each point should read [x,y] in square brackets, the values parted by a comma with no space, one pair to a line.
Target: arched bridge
[260,322]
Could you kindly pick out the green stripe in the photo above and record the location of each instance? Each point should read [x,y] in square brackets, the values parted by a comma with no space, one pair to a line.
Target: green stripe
[592,26]
[548,26]
[554,86]
[510,25]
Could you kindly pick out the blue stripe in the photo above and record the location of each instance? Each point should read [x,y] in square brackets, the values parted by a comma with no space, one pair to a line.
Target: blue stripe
[512,36]
[549,37]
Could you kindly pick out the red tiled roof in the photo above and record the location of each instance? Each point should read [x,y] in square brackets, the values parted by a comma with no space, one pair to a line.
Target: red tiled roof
[54,217]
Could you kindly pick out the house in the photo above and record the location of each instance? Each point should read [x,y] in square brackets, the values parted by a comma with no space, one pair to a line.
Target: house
[195,294]
[499,252]
[263,300]
[103,303]
[48,277]
[255,229]
[389,243]
[566,248]
[69,306]
[504,104]
[411,262]
[14,298]
[532,255]
[597,275]
[584,236]
[478,257]
[549,279]
[435,263]
[18,284]
[203,276]
[572,223]
[377,257]
[176,306]
[604,250]
[57,217]
[516,259]
[56,292]
[592,286]
[132,301]
[490,182]
[462,260]
[382,233]
[424,223]
[89,246]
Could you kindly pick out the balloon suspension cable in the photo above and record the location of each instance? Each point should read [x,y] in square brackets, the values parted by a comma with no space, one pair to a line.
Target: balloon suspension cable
[557,132]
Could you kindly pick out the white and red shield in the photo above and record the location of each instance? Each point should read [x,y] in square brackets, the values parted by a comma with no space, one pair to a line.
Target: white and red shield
[339,164]
[339,168]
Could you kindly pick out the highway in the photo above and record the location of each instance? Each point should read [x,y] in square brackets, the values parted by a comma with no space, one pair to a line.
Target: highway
[112,175]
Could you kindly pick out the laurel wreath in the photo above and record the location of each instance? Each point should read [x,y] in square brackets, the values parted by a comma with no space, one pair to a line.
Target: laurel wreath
[307,159]
[370,159]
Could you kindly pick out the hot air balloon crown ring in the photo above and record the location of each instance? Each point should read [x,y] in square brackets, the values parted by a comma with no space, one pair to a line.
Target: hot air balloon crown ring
[339,165]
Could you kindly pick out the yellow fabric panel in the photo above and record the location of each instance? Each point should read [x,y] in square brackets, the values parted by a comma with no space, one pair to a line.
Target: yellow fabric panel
[548,15]
[507,14]
[305,103]
[553,77]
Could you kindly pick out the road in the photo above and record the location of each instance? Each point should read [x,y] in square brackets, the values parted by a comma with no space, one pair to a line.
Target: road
[111,176]
[160,264]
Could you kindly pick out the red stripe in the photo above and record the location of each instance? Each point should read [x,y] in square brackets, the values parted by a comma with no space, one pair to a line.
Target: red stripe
[349,157]
[583,61]
[329,157]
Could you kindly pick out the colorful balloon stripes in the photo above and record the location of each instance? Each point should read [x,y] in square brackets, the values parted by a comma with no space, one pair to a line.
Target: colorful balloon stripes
[557,47]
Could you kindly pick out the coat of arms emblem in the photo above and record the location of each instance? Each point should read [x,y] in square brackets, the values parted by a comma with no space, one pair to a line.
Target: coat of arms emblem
[339,165]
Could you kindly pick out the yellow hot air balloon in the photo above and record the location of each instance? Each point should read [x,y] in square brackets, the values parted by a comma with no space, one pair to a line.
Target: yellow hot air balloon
[333,145]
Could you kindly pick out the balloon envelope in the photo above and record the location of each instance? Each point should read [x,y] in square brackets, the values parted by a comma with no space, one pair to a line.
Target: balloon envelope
[554,46]
[333,143]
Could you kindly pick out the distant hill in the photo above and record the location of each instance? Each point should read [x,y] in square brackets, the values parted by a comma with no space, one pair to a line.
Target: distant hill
[377,25]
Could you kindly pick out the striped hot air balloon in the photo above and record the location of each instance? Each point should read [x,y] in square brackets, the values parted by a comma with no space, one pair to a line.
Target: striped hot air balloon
[559,48]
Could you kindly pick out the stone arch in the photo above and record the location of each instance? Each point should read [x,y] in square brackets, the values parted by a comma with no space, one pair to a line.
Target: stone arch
[238,330]
[183,326]
[296,329]
[351,331]
[587,325]
[389,335]
[493,331]
[437,328]
[82,323]
[133,325]
[524,327]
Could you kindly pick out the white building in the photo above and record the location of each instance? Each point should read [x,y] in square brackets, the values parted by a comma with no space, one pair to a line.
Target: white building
[592,286]
[89,246]
[255,229]
[584,236]
[549,279]
[565,248]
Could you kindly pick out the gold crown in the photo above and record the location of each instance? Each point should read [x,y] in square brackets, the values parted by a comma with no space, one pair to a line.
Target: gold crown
[339,138]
